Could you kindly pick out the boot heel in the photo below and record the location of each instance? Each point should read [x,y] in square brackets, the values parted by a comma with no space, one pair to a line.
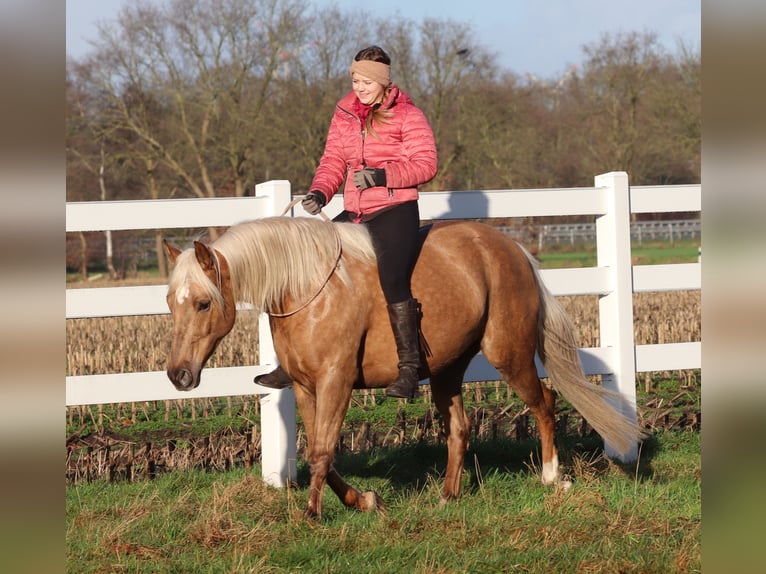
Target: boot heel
[405,386]
[276,379]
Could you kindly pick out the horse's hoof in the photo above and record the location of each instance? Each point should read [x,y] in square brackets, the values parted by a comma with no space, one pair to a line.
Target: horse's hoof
[551,471]
[310,516]
[564,485]
[371,501]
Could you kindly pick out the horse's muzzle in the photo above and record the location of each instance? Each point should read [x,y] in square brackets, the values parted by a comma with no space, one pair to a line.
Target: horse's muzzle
[184,379]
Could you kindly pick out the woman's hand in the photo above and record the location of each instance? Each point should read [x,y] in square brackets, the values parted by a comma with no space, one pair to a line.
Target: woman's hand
[314,202]
[369,177]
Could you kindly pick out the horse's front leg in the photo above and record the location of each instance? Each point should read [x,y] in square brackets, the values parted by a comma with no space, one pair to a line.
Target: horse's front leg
[327,409]
[319,465]
[351,497]
[306,399]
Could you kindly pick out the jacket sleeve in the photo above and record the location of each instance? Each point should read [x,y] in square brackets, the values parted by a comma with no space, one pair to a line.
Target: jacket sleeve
[419,157]
[331,171]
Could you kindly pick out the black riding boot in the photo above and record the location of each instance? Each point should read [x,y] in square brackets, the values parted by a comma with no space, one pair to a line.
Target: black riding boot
[276,379]
[404,318]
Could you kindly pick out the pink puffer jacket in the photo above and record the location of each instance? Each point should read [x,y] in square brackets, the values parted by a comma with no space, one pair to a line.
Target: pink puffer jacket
[404,147]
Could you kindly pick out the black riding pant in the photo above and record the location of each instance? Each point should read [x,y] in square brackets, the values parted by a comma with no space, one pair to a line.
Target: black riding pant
[394,235]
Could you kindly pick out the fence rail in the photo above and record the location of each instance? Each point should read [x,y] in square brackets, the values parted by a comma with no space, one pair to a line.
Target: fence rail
[640,231]
[614,279]
[143,249]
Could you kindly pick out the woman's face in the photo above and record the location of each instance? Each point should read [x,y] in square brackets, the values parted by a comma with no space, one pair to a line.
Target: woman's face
[368,91]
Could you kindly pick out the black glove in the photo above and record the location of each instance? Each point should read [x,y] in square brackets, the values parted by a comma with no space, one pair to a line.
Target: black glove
[314,202]
[369,177]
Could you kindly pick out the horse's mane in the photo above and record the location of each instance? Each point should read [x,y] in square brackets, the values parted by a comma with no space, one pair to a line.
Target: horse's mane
[276,256]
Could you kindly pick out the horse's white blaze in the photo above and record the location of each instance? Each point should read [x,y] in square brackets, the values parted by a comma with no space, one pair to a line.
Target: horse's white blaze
[182,293]
[551,470]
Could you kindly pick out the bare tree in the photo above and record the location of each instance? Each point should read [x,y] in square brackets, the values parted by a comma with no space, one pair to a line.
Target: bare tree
[310,80]
[627,107]
[676,103]
[86,142]
[211,64]
[446,66]
[617,76]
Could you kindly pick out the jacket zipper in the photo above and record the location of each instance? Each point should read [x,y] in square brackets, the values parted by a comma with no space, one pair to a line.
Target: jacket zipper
[364,164]
[363,134]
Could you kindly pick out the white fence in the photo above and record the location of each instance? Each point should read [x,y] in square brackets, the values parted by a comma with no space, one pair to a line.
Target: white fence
[614,279]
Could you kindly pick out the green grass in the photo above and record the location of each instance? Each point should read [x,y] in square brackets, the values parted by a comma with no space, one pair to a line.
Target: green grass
[643,518]
[647,253]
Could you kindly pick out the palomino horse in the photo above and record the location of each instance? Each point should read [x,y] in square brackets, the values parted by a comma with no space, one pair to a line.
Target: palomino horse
[479,291]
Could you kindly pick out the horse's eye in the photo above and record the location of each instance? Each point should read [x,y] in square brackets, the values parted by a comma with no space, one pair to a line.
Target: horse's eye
[203,306]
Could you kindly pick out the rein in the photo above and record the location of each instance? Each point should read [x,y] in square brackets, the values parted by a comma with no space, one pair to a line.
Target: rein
[339,252]
[295,201]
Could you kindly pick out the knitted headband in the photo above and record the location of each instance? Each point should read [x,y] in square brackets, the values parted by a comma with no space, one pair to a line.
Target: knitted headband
[376,71]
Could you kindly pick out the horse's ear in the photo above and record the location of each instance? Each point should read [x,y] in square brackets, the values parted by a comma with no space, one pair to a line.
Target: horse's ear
[204,256]
[171,252]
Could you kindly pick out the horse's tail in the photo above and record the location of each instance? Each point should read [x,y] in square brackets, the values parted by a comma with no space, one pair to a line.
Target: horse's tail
[557,349]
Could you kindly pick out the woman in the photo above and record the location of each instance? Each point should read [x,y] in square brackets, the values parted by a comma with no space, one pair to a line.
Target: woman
[383,147]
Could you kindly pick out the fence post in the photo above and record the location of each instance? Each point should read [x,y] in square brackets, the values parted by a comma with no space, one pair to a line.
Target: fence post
[278,420]
[616,308]
[278,437]
[279,193]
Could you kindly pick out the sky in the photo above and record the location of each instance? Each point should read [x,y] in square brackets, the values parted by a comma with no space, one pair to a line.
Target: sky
[539,37]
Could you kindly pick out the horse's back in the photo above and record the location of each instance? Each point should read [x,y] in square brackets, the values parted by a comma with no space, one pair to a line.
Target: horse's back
[472,281]
[470,257]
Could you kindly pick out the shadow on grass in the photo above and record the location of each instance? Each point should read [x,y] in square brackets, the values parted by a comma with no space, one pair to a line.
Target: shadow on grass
[591,450]
[410,466]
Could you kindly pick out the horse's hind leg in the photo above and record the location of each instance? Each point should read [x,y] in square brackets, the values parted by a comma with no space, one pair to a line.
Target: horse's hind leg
[448,397]
[542,403]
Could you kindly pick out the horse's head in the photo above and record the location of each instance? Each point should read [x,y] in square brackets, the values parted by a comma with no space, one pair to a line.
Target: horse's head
[203,309]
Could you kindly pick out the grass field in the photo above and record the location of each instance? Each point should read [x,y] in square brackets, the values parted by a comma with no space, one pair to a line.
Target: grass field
[644,518]
[647,253]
